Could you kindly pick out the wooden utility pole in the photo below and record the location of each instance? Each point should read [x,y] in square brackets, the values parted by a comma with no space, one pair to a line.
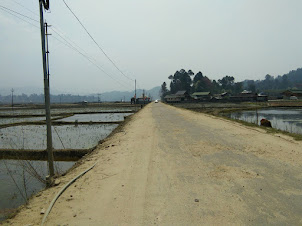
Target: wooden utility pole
[44,4]
[12,99]
[99,99]
[135,92]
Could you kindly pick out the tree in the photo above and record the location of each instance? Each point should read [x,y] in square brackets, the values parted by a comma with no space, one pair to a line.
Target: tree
[227,82]
[201,83]
[163,90]
[197,77]
[190,72]
[181,80]
[285,82]
[252,86]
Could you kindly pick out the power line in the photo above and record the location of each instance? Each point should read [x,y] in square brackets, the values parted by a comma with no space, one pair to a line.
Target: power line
[66,43]
[19,17]
[3,7]
[96,42]
[91,60]
[29,10]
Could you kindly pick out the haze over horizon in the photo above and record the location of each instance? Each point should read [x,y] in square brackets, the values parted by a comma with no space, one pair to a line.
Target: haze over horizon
[149,41]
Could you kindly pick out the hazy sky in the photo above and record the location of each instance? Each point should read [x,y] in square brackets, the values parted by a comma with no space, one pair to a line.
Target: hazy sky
[149,40]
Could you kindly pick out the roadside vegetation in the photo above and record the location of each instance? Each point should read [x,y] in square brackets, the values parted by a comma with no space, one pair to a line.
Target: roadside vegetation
[191,82]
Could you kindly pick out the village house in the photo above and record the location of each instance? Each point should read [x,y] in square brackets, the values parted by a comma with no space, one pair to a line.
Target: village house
[202,96]
[172,98]
[143,100]
[289,94]
[178,97]
[245,95]
[221,97]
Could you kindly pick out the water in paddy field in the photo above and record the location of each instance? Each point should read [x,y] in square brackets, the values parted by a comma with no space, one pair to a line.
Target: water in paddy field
[16,120]
[18,178]
[61,110]
[64,137]
[286,119]
[19,181]
[111,117]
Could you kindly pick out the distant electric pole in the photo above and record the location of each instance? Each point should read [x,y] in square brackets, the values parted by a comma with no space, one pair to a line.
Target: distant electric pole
[99,98]
[135,92]
[12,99]
[43,27]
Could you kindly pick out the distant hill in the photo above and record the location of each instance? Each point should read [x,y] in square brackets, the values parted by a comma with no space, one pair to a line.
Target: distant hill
[291,80]
[35,95]
[26,90]
[118,95]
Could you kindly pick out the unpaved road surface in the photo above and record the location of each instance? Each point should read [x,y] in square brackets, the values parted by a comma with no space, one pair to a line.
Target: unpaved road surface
[170,166]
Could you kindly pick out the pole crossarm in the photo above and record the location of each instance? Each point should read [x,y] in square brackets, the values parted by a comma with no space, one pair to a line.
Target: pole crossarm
[45,4]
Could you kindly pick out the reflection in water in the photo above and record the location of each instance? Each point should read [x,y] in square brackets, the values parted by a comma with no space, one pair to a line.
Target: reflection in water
[289,120]
[20,179]
[64,137]
[112,117]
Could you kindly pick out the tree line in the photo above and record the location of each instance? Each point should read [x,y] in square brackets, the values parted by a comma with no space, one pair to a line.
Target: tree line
[39,98]
[191,82]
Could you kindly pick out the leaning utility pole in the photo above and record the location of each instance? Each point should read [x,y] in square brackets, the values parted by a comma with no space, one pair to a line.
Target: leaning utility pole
[44,4]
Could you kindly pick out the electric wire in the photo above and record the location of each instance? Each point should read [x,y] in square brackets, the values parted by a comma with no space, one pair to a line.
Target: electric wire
[19,13]
[29,10]
[93,61]
[66,43]
[19,17]
[90,60]
[96,42]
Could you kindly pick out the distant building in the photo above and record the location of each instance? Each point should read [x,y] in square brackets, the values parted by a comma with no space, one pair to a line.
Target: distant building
[262,97]
[143,100]
[221,97]
[172,98]
[202,96]
[179,96]
[183,95]
[245,95]
[292,93]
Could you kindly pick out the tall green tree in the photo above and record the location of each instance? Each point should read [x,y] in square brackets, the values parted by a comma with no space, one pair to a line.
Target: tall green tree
[181,80]
[163,91]
[227,82]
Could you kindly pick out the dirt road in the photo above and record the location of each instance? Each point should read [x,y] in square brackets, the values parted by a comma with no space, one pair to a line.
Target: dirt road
[170,166]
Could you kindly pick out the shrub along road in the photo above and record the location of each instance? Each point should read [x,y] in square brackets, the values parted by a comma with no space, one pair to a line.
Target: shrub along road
[170,166]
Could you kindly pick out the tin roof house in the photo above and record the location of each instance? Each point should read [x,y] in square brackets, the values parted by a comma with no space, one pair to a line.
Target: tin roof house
[287,94]
[178,97]
[202,96]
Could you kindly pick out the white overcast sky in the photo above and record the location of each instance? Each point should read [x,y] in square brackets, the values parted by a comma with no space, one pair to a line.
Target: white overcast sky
[149,40]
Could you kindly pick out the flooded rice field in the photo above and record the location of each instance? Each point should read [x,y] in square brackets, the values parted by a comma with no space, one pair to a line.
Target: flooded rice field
[62,110]
[20,179]
[285,119]
[4,121]
[112,117]
[64,137]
